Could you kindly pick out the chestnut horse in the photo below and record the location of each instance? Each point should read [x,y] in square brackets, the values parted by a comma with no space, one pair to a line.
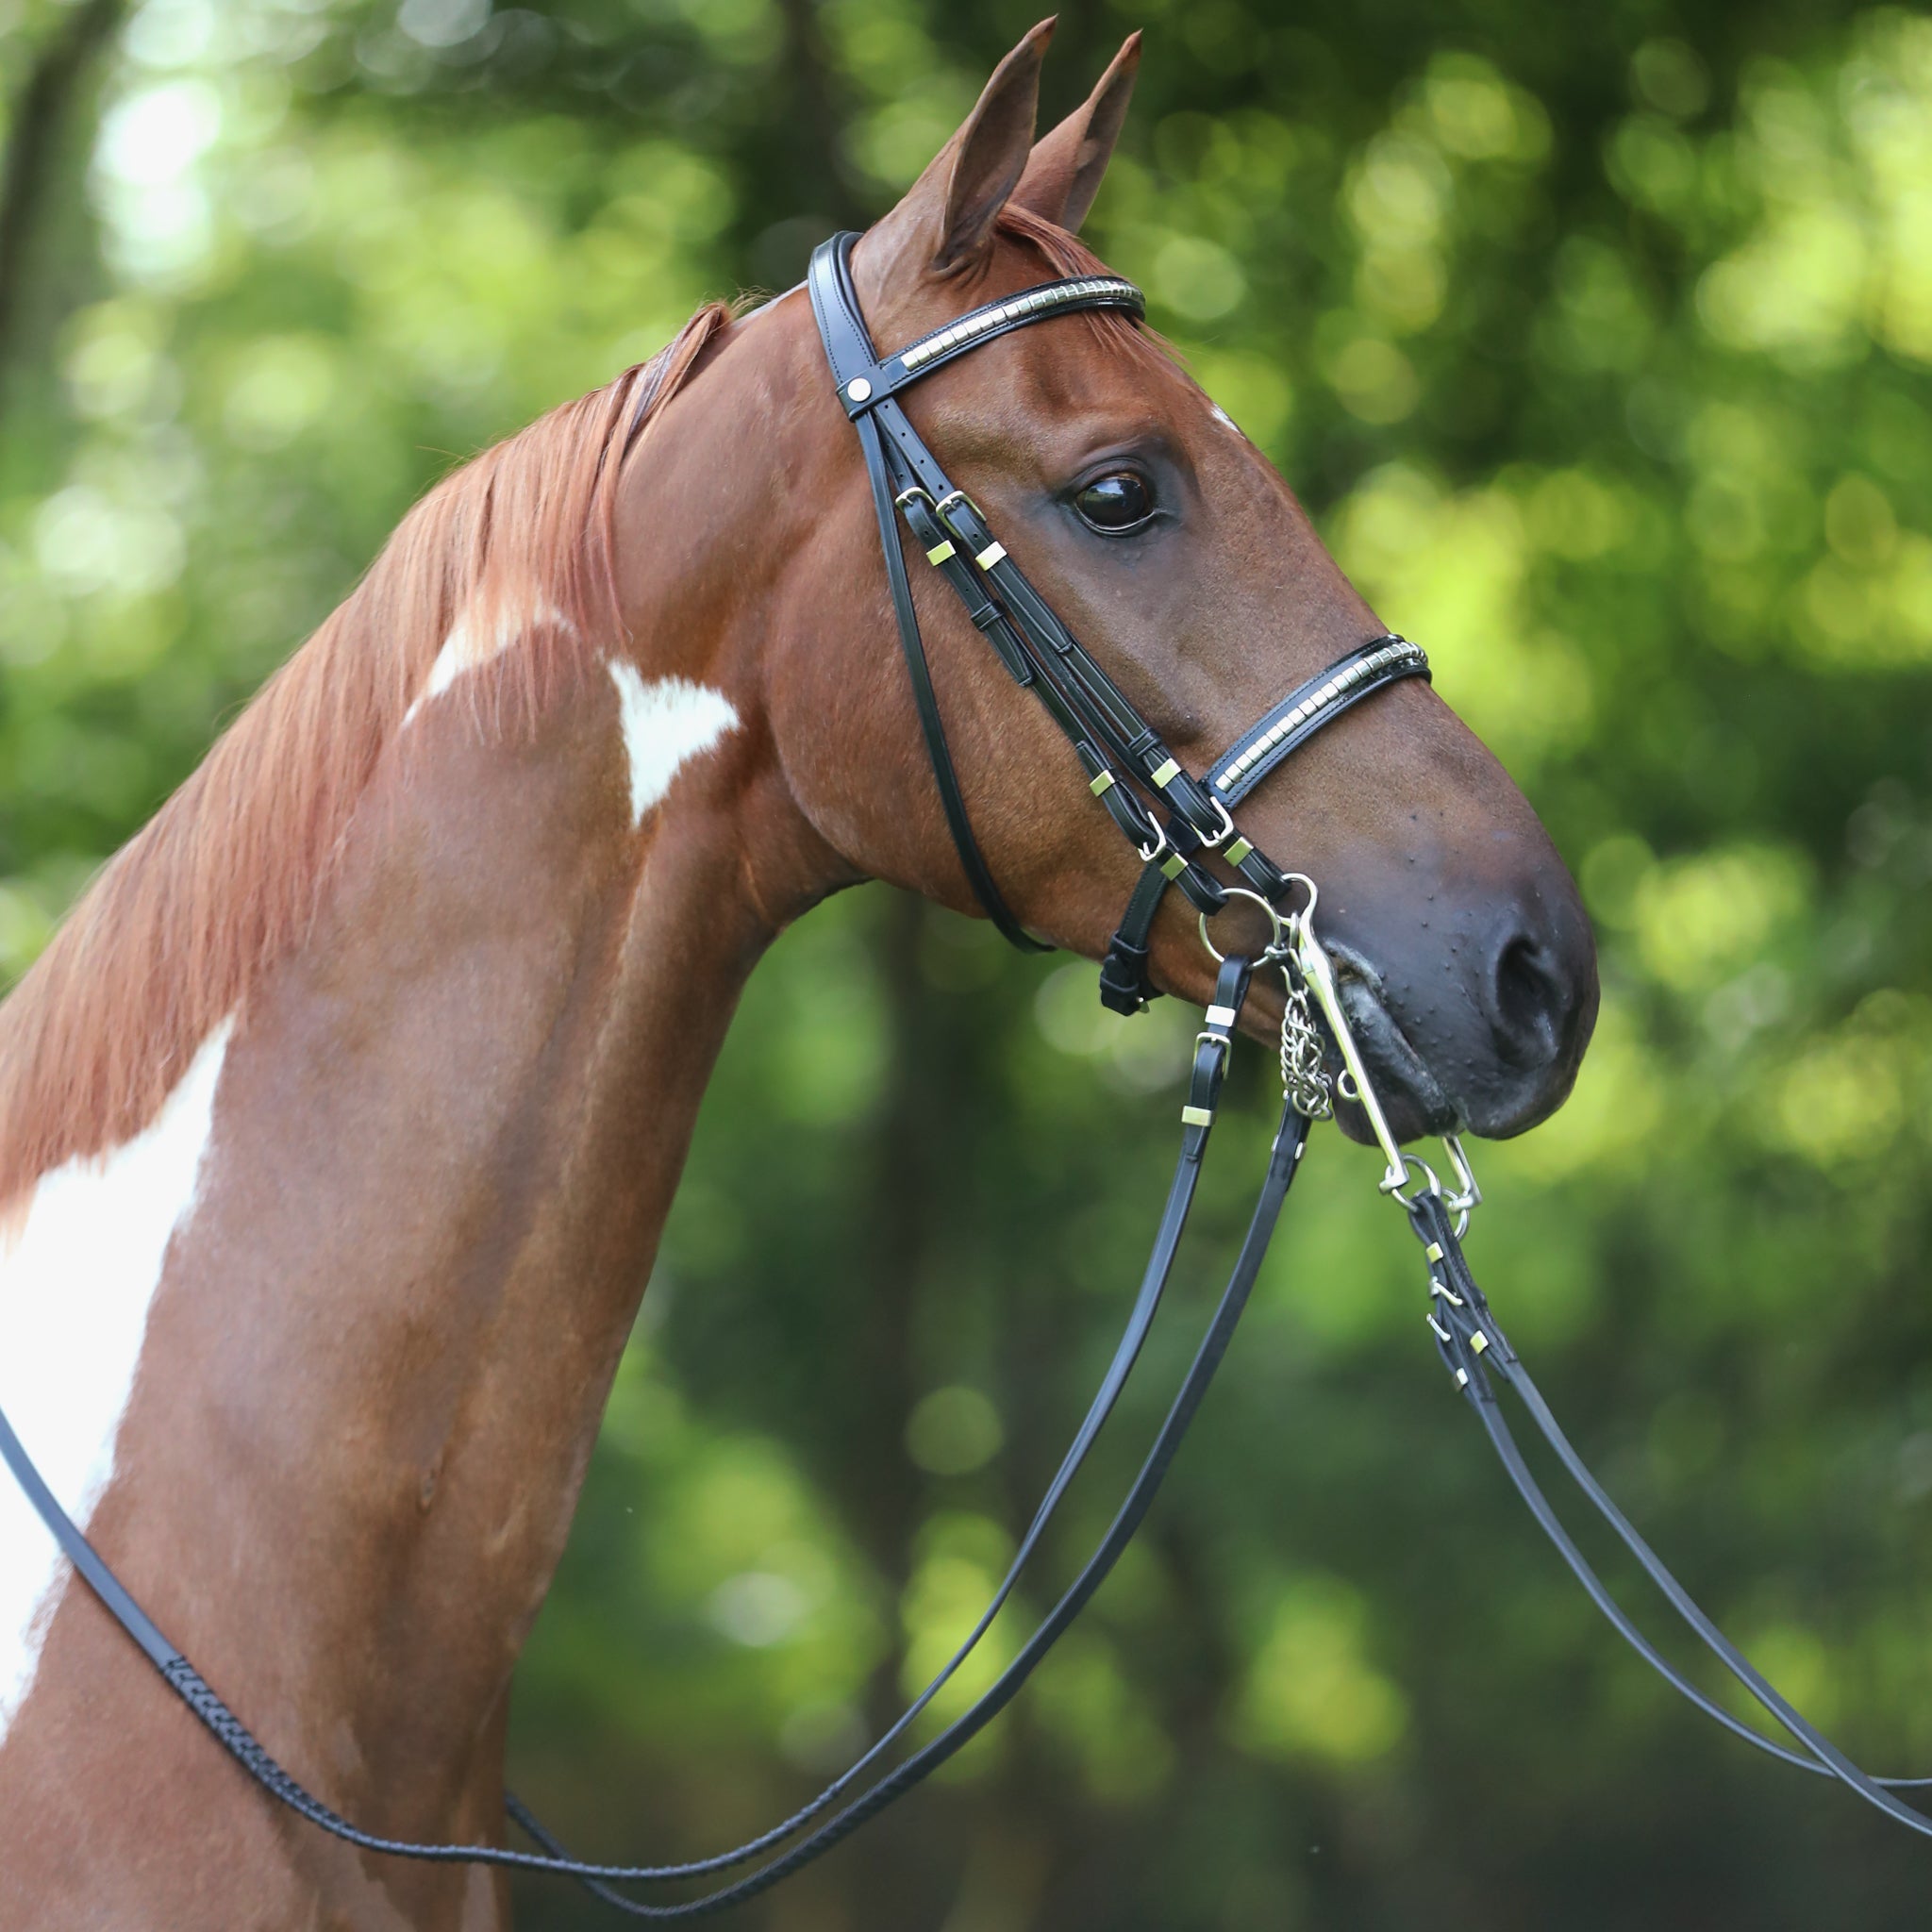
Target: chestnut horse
[342,1116]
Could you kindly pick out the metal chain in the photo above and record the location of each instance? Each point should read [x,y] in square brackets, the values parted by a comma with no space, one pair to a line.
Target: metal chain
[1303,1077]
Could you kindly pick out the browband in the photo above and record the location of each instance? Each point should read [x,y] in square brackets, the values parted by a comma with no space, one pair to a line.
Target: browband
[870,386]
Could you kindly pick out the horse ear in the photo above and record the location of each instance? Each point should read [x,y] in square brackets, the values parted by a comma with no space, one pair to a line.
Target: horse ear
[990,151]
[949,211]
[1063,174]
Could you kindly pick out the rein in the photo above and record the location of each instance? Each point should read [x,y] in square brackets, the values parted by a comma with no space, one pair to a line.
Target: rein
[1174,820]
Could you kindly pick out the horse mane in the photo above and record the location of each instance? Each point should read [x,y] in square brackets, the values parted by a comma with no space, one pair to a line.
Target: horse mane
[225,879]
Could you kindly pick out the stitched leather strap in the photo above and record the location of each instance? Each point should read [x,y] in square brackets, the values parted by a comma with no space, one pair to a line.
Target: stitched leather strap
[863,388]
[833,315]
[1309,707]
[1125,985]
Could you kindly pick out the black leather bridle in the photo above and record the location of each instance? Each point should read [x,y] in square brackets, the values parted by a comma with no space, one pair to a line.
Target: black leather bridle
[1173,820]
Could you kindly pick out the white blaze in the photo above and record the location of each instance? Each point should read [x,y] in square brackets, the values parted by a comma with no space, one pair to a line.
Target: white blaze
[665,723]
[77,1275]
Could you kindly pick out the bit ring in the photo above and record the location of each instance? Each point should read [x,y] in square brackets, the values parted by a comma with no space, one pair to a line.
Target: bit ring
[1277,946]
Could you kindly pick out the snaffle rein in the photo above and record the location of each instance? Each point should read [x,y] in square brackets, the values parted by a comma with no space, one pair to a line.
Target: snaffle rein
[1173,820]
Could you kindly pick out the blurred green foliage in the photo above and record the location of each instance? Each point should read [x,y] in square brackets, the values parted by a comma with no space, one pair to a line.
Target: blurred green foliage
[1598,342]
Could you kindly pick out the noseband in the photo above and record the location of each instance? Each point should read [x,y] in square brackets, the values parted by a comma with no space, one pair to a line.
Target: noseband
[1173,820]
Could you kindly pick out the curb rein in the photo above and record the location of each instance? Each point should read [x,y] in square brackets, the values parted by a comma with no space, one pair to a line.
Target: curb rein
[1110,739]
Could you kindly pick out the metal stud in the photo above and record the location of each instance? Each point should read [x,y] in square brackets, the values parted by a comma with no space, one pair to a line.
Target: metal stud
[858,388]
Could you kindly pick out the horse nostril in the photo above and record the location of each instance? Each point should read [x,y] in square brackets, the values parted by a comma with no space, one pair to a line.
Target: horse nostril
[1530,1000]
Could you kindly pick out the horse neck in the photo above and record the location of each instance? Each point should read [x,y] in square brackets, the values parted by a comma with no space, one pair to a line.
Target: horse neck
[445,1133]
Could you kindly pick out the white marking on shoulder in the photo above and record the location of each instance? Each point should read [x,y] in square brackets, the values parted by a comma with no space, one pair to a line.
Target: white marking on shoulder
[77,1275]
[475,643]
[665,723]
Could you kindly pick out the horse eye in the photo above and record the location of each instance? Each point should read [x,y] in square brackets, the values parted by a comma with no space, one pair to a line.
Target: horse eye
[1115,503]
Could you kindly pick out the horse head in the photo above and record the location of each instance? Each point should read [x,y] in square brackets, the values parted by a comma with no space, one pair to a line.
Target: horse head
[1167,543]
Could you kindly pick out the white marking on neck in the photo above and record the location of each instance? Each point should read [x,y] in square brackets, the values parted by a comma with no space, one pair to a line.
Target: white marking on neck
[77,1275]
[665,723]
[478,639]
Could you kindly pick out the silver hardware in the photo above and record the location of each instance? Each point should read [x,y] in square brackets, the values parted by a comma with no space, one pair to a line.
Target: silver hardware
[1312,963]
[1150,853]
[1221,1016]
[1442,1334]
[1303,1067]
[1427,1181]
[1165,773]
[858,388]
[1467,1196]
[1197,1116]
[1226,827]
[1277,946]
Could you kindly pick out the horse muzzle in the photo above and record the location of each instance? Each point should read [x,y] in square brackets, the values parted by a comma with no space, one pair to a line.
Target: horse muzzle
[1476,1023]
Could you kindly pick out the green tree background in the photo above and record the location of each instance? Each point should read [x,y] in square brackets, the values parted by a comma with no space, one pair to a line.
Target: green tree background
[1596,339]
